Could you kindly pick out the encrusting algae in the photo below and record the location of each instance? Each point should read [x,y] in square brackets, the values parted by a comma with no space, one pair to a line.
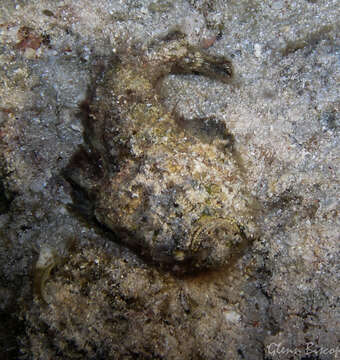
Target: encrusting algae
[171,188]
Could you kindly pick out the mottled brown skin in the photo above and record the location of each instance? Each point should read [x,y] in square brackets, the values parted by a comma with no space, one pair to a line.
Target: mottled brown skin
[173,191]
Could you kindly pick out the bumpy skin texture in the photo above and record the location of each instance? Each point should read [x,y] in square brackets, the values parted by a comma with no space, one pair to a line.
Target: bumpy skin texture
[171,188]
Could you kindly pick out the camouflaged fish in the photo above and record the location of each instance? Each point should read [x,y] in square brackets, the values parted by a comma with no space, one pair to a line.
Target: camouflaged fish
[170,188]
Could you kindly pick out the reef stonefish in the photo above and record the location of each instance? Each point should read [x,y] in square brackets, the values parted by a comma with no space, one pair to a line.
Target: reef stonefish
[172,189]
